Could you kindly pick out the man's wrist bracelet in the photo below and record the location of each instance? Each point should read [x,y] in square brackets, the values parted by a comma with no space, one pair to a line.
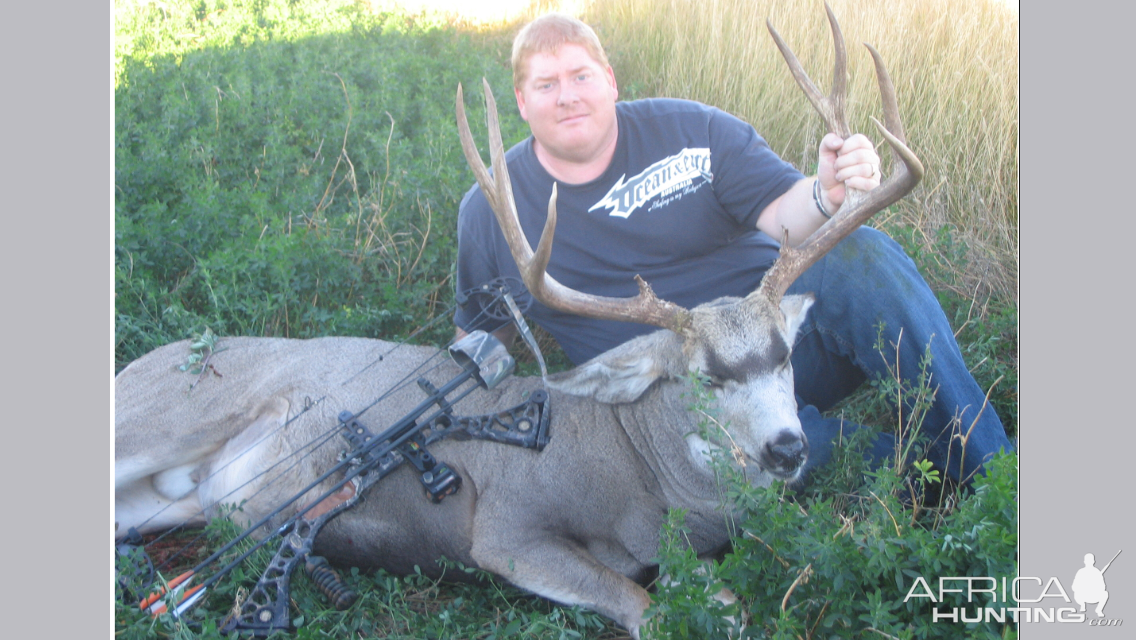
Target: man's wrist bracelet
[817,200]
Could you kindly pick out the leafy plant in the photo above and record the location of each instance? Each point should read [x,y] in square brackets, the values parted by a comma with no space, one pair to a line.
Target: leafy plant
[839,556]
[202,348]
[287,168]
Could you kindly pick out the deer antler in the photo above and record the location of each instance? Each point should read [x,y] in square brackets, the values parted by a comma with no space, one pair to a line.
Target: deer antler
[858,205]
[645,308]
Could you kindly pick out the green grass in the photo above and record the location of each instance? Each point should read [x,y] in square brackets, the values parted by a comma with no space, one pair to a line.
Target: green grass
[275,180]
[388,606]
[291,167]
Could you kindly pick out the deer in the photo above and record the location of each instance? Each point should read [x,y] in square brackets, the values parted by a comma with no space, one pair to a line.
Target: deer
[578,522]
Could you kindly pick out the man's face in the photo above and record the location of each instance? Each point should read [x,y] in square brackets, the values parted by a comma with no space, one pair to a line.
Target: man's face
[568,99]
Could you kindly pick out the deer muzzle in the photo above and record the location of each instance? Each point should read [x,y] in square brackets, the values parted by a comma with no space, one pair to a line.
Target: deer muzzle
[785,455]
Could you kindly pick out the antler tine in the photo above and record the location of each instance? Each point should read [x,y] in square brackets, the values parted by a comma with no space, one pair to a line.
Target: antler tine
[839,76]
[887,98]
[858,206]
[644,308]
[497,188]
[831,107]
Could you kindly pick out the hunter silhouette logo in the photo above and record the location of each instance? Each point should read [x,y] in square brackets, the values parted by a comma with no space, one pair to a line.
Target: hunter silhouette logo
[1088,585]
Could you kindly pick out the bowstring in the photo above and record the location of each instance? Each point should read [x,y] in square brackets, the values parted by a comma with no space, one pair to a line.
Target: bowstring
[314,444]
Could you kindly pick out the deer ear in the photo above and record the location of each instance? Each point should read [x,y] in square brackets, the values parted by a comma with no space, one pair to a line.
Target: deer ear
[625,372]
[795,308]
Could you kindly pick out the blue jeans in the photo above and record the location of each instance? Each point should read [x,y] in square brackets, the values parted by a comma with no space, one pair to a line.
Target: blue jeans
[865,280]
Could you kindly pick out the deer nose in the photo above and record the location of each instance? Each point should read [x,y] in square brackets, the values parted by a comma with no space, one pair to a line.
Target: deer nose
[789,450]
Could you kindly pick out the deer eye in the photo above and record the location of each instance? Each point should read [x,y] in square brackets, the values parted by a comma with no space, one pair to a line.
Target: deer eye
[714,382]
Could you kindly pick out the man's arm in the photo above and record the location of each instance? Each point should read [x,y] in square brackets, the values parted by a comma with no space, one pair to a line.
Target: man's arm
[852,163]
[474,266]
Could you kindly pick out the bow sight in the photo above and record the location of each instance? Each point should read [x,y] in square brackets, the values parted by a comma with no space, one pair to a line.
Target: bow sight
[371,457]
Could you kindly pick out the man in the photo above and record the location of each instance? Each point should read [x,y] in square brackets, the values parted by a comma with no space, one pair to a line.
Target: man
[691,198]
[1088,585]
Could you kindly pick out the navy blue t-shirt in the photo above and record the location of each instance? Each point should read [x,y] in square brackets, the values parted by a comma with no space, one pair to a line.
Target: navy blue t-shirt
[678,206]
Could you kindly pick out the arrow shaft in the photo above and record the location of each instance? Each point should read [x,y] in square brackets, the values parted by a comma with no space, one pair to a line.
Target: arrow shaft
[1111,561]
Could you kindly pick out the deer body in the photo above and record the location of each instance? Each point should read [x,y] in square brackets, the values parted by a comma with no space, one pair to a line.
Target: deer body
[578,522]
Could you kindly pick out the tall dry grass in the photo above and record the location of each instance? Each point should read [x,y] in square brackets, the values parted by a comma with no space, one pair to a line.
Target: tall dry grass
[954,64]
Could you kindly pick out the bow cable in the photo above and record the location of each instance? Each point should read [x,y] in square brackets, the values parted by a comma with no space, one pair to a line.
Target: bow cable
[314,444]
[375,443]
[499,290]
[322,438]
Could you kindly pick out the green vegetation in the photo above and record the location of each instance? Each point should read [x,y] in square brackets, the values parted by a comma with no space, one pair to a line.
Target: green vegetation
[291,168]
[277,180]
[395,607]
[838,557]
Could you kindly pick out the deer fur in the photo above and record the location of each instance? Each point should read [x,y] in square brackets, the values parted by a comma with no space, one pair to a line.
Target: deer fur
[577,523]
